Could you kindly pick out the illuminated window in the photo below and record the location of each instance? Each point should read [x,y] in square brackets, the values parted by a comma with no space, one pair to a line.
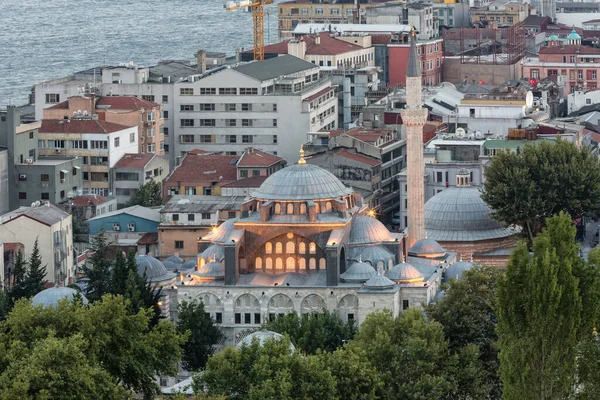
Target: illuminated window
[302,248]
[322,263]
[302,263]
[269,263]
[290,263]
[290,248]
[328,207]
[277,208]
[258,263]
[302,208]
[313,248]
[269,248]
[290,208]
[312,264]
[279,263]
[278,248]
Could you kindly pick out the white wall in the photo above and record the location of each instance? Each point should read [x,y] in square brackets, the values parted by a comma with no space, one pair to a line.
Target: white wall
[125,145]
[580,99]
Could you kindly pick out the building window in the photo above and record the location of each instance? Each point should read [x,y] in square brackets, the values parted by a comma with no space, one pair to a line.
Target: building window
[22,177]
[312,248]
[219,318]
[165,115]
[227,91]
[52,98]
[207,191]
[208,91]
[405,304]
[165,98]
[186,91]
[593,74]
[187,122]
[179,244]
[238,318]
[246,122]
[278,248]
[274,139]
[230,107]
[116,226]
[248,91]
[274,123]
[62,194]
[205,215]
[132,137]
[231,122]
[116,141]
[207,122]
[231,214]
[46,196]
[175,217]
[246,138]
[22,195]
[191,217]
[246,107]
[190,190]
[572,59]
[230,138]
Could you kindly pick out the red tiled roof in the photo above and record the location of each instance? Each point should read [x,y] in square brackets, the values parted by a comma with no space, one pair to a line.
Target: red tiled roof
[132,160]
[252,182]
[84,201]
[258,159]
[205,168]
[79,126]
[358,157]
[149,238]
[569,49]
[328,45]
[318,94]
[125,103]
[199,152]
[60,106]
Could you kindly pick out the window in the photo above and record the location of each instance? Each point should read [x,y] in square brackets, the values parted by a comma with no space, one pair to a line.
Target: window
[227,91]
[580,74]
[207,191]
[44,177]
[131,137]
[45,196]
[257,318]
[165,115]
[191,217]
[116,141]
[116,226]
[175,217]
[165,146]
[274,107]
[52,98]
[588,101]
[334,11]
[231,214]
[274,123]
[238,318]
[274,139]
[173,190]
[318,11]
[205,215]
[131,227]
[22,195]
[86,176]
[165,98]
[246,107]
[208,91]
[230,107]
[230,122]
[74,171]
[244,173]
[148,97]
[248,91]
[206,139]
[219,318]
[246,122]
[190,107]
[41,144]
[230,138]
[572,59]
[207,122]
[255,172]
[405,304]
[190,191]
[246,138]
[187,91]
[593,74]
[187,122]
[60,144]
[99,144]
[179,244]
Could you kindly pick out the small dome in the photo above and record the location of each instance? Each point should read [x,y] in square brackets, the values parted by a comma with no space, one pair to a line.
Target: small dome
[439,296]
[173,259]
[405,273]
[428,248]
[189,265]
[371,254]
[222,232]
[367,230]
[359,272]
[379,282]
[213,269]
[262,336]
[301,182]
[553,38]
[154,269]
[573,35]
[463,171]
[456,270]
[50,297]
[214,252]
[171,266]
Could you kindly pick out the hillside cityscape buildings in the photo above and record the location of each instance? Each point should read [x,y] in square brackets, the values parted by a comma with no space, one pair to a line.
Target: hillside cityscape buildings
[340,173]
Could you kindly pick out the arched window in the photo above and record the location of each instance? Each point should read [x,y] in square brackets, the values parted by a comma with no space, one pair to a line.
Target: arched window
[269,248]
[290,208]
[258,263]
[328,207]
[322,263]
[269,263]
[313,248]
[302,208]
[312,263]
[278,248]
[201,262]
[379,264]
[277,208]
[317,208]
[290,248]
[290,263]
[302,263]
[302,248]
[279,263]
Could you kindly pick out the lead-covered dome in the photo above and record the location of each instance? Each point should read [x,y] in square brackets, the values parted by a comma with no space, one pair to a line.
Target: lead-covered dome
[211,270]
[459,214]
[154,269]
[51,296]
[456,270]
[427,248]
[301,182]
[359,272]
[366,230]
[222,232]
[379,282]
[405,273]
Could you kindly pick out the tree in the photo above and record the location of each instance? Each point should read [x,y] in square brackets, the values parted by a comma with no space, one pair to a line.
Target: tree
[468,315]
[203,334]
[120,273]
[148,195]
[310,332]
[588,367]
[19,273]
[539,315]
[5,304]
[545,178]
[35,278]
[99,273]
[140,292]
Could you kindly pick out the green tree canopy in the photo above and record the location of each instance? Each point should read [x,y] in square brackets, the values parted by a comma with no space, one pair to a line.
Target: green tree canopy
[35,278]
[203,334]
[99,270]
[17,289]
[148,195]
[545,178]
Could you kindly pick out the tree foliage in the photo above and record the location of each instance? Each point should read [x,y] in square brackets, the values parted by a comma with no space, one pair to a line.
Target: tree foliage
[98,272]
[148,195]
[35,278]
[203,334]
[17,289]
[468,315]
[545,178]
[317,331]
[539,316]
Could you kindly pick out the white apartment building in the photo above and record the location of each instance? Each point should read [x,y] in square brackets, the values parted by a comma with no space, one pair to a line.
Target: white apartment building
[99,143]
[53,229]
[270,105]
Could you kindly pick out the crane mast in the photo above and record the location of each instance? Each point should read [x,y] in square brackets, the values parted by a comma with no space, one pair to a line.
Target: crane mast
[258,21]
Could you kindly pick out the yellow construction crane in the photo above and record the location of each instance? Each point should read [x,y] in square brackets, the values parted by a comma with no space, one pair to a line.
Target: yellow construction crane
[258,15]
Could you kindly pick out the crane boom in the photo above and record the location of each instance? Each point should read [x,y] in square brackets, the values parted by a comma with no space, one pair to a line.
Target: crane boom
[258,15]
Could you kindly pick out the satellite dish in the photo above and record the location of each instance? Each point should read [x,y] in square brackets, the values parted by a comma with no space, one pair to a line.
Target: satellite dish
[460,133]
[529,99]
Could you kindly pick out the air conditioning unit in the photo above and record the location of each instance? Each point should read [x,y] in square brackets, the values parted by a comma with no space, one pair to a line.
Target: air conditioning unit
[131,227]
[29,161]
[57,150]
[22,177]
[116,228]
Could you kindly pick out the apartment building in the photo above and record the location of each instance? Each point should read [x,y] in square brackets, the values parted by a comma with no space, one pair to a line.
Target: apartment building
[133,171]
[430,53]
[270,105]
[417,15]
[500,12]
[455,14]
[99,144]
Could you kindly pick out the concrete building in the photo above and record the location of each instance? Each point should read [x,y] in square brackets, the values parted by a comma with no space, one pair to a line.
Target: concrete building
[133,171]
[430,58]
[32,177]
[500,12]
[185,219]
[122,110]
[99,144]
[452,14]
[52,228]
[251,104]
[127,226]
[89,206]
[4,182]
[417,15]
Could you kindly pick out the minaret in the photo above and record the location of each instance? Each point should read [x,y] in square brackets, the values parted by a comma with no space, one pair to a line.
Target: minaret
[413,118]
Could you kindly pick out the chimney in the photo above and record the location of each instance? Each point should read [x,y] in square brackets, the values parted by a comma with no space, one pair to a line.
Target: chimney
[318,39]
[201,61]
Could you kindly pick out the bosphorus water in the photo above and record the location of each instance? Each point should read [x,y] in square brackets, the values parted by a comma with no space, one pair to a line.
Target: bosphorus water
[48,39]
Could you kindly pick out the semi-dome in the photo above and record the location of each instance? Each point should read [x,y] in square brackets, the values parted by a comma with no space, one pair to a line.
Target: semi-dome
[188,265]
[456,270]
[173,259]
[221,233]
[215,252]
[428,248]
[459,214]
[359,272]
[211,270]
[261,337]
[405,273]
[51,296]
[367,230]
[379,282]
[372,254]
[301,182]
[154,269]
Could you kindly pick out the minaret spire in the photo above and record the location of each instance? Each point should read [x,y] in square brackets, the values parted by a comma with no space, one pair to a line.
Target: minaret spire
[414,117]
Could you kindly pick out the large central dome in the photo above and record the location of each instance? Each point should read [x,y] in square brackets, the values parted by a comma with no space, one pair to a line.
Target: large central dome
[459,214]
[301,182]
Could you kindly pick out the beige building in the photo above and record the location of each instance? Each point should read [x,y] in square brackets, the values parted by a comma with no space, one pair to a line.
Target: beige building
[501,12]
[52,228]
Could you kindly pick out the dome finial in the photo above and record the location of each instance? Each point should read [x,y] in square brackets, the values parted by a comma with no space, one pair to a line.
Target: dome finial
[301,161]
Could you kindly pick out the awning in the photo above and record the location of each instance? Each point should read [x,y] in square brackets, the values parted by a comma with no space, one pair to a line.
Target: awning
[76,167]
[64,171]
